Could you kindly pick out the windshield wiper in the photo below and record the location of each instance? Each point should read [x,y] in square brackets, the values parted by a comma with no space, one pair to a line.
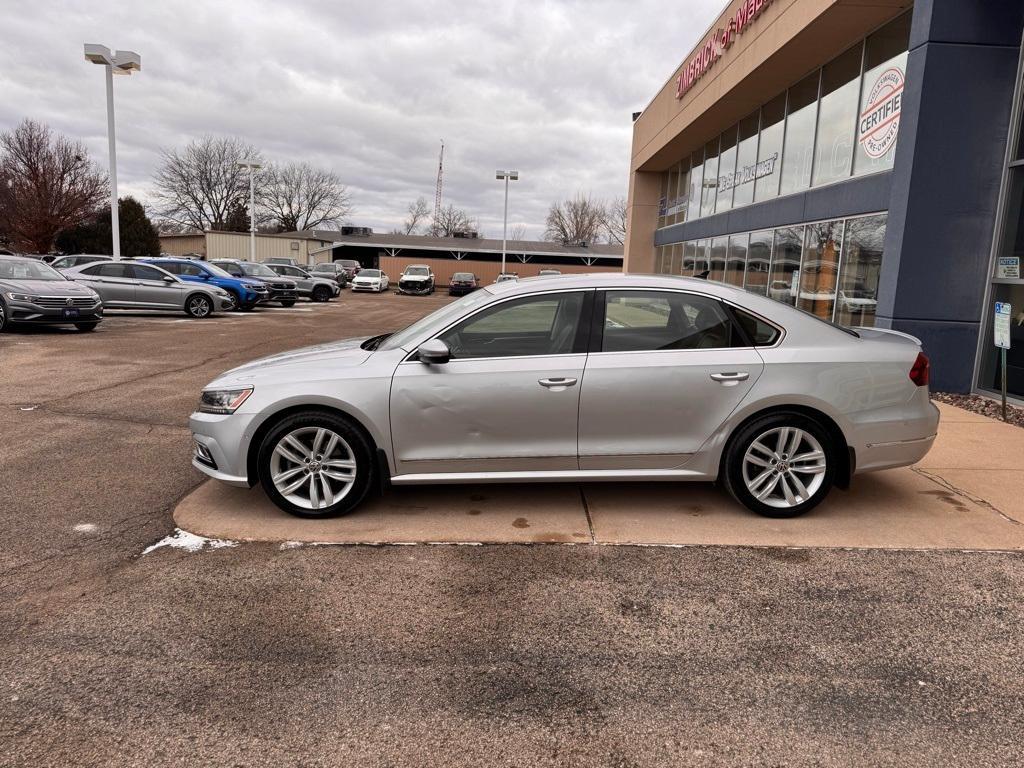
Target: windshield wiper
[373,342]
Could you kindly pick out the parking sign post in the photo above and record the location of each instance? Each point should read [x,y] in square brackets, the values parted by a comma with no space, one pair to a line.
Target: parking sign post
[1001,332]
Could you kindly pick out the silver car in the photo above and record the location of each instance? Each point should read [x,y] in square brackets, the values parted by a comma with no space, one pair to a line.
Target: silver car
[131,285]
[584,378]
[308,286]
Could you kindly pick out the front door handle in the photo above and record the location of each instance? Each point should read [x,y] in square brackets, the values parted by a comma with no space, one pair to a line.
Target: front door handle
[727,377]
[557,384]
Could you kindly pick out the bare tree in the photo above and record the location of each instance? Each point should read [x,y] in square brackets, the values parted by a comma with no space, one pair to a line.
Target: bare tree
[451,220]
[298,196]
[418,214]
[517,232]
[199,185]
[47,183]
[581,219]
[616,219]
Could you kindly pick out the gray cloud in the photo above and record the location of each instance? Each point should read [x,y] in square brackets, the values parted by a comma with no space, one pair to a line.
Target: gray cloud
[366,89]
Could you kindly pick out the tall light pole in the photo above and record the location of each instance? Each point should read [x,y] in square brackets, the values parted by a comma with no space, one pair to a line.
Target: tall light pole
[116,63]
[507,176]
[253,167]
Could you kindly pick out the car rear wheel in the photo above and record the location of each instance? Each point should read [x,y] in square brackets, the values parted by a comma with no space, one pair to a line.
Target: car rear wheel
[314,464]
[288,303]
[3,317]
[86,327]
[321,293]
[782,465]
[197,305]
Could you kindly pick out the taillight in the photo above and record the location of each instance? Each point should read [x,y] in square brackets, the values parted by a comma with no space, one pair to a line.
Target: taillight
[919,372]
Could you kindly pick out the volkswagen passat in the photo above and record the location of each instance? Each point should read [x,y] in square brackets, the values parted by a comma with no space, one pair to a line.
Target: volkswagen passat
[593,377]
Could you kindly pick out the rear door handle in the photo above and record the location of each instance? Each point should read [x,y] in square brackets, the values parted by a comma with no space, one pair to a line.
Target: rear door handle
[557,384]
[727,377]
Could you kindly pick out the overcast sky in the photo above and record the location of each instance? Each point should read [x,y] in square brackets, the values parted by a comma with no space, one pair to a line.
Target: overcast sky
[367,89]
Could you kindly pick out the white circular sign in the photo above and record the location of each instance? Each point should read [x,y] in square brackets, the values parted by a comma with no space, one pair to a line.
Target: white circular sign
[879,122]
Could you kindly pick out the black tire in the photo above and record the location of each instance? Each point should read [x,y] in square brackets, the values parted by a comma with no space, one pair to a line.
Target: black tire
[321,293]
[288,303]
[198,305]
[4,322]
[358,446]
[766,428]
[85,327]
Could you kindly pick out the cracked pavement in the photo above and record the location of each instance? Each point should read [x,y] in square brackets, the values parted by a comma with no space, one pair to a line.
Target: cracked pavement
[439,655]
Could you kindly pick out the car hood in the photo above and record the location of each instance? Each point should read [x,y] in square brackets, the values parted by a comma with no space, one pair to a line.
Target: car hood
[337,354]
[46,287]
[416,278]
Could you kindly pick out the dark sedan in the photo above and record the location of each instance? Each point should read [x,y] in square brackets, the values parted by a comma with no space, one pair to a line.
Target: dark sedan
[34,292]
[462,283]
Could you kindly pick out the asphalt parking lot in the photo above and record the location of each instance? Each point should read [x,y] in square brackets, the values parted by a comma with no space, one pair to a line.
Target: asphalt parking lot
[266,653]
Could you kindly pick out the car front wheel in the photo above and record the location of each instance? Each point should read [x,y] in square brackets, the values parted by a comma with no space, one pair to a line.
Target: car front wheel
[198,306]
[315,464]
[781,465]
[321,293]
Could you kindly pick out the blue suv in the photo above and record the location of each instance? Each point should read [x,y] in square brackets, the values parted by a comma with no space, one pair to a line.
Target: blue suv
[247,291]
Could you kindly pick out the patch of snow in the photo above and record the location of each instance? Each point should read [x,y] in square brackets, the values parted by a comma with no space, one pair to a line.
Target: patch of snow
[28,407]
[189,542]
[85,528]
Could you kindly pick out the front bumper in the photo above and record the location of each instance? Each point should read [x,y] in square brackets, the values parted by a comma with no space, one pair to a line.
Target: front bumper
[284,294]
[414,289]
[366,287]
[27,312]
[225,443]
[224,303]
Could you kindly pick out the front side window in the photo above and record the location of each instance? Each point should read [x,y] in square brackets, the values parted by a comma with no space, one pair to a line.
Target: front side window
[143,272]
[114,269]
[529,326]
[173,268]
[257,270]
[651,321]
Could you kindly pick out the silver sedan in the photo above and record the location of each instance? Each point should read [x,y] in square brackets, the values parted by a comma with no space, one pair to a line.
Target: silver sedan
[131,285]
[584,378]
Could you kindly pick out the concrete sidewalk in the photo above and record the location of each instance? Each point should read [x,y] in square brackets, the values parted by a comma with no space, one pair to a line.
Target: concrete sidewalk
[968,493]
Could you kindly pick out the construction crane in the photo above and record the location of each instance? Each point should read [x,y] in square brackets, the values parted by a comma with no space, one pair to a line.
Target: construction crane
[437,192]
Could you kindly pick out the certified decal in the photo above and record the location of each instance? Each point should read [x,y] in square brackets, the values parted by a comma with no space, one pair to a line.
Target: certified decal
[880,120]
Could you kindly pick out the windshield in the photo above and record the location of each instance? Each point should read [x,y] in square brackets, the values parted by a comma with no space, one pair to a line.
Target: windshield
[213,269]
[462,276]
[370,273]
[325,268]
[417,271]
[257,270]
[436,320]
[348,263]
[28,269]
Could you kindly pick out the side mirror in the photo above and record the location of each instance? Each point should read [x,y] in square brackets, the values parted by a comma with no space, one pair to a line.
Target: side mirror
[434,352]
[169,279]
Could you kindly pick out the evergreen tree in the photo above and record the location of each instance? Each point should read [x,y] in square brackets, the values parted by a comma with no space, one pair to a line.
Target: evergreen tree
[138,235]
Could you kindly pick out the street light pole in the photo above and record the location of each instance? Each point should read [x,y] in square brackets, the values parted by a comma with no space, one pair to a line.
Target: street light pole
[507,176]
[253,167]
[115,63]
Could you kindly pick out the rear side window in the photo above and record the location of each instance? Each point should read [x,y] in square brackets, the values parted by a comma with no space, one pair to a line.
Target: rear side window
[758,331]
[172,267]
[146,273]
[650,321]
[113,270]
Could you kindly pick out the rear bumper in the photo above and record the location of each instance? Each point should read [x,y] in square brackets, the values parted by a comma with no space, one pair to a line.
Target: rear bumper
[899,441]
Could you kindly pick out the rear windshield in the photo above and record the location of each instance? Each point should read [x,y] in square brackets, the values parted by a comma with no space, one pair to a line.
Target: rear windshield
[463,276]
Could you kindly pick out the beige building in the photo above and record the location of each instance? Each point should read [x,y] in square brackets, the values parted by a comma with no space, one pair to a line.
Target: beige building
[236,245]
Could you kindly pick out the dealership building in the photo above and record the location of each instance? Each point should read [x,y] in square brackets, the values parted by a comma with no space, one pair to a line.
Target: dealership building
[862,161]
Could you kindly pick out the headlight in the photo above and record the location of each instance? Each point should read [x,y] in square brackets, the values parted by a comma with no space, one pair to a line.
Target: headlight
[21,297]
[223,400]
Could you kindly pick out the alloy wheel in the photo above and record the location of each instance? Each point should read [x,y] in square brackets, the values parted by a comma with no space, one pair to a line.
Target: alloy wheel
[198,306]
[313,467]
[784,467]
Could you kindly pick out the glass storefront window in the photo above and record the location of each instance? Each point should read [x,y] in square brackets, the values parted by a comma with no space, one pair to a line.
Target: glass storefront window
[1011,244]
[682,188]
[819,270]
[785,272]
[773,115]
[878,122]
[700,259]
[759,258]
[746,162]
[696,180]
[689,257]
[857,298]
[719,249]
[710,186]
[992,371]
[837,116]
[798,152]
[736,260]
[726,170]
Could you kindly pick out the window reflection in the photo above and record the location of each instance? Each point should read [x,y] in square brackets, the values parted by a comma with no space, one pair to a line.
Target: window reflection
[707,204]
[786,264]
[759,254]
[819,269]
[746,162]
[736,260]
[689,257]
[837,113]
[773,115]
[857,298]
[696,180]
[719,247]
[726,170]
[799,147]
